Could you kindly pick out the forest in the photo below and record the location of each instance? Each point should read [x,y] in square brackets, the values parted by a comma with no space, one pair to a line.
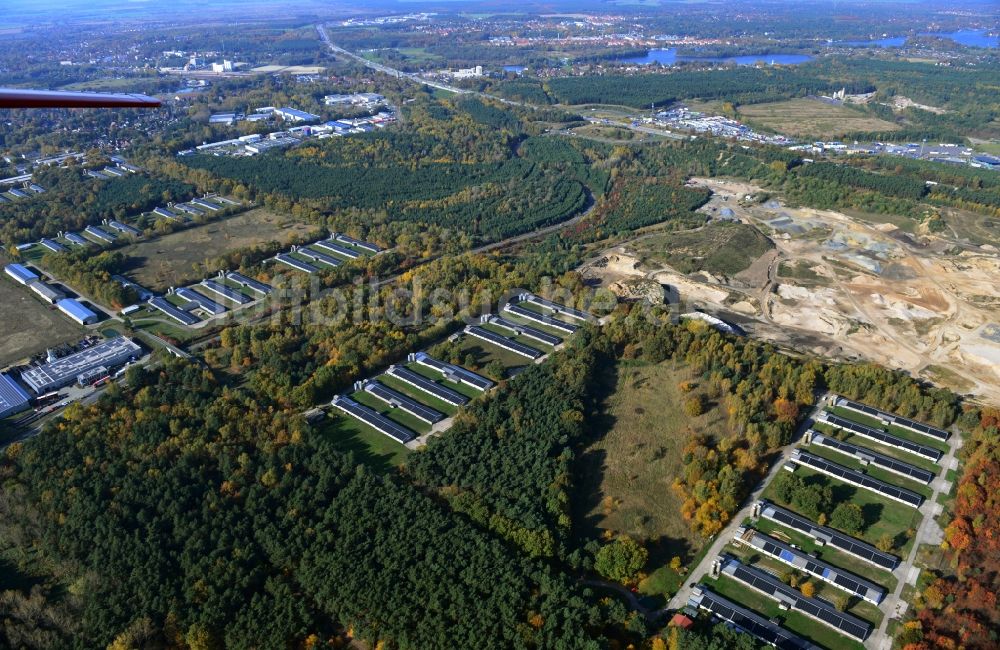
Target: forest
[741,85]
[91,273]
[191,512]
[195,506]
[459,169]
[72,201]
[957,605]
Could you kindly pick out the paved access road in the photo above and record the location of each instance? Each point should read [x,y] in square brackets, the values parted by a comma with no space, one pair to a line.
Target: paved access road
[680,599]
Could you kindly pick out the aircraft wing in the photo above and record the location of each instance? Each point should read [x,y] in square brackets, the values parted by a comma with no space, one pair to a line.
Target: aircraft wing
[23,98]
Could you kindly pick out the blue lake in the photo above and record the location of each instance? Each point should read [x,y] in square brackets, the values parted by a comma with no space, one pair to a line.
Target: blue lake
[969,38]
[669,57]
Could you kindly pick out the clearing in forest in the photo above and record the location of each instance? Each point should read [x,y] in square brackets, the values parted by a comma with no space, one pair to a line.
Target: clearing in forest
[29,326]
[812,117]
[626,474]
[181,257]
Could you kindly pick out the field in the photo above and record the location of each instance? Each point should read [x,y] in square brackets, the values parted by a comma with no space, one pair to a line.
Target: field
[882,515]
[629,469]
[482,353]
[719,248]
[378,451]
[181,257]
[28,326]
[811,117]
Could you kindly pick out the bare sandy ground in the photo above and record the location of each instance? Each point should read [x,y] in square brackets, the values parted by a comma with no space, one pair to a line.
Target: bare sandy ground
[865,291]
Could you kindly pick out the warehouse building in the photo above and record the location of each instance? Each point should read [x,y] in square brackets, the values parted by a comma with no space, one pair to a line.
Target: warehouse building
[870,457]
[298,265]
[887,418]
[249,283]
[100,233]
[317,256]
[395,399]
[13,398]
[418,381]
[544,319]
[53,246]
[225,292]
[374,419]
[75,310]
[201,301]
[503,342]
[202,203]
[363,245]
[799,559]
[74,238]
[47,293]
[555,307]
[879,436]
[295,115]
[21,274]
[125,228]
[190,209]
[179,315]
[63,372]
[522,330]
[856,478]
[337,248]
[166,213]
[791,598]
[824,535]
[748,621]
[451,372]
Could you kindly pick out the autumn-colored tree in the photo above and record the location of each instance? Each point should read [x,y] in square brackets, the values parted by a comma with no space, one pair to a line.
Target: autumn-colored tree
[808,589]
[786,410]
[694,406]
[621,560]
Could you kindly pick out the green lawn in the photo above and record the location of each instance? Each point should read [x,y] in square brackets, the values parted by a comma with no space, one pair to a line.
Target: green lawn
[419,395]
[801,624]
[463,389]
[872,471]
[176,332]
[882,515]
[395,414]
[858,607]
[626,473]
[899,432]
[374,449]
[483,353]
[826,553]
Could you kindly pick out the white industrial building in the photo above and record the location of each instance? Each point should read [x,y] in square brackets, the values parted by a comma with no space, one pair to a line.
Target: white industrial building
[75,310]
[64,371]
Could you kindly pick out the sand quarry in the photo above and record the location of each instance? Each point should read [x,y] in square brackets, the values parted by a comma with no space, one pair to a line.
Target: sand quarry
[841,287]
